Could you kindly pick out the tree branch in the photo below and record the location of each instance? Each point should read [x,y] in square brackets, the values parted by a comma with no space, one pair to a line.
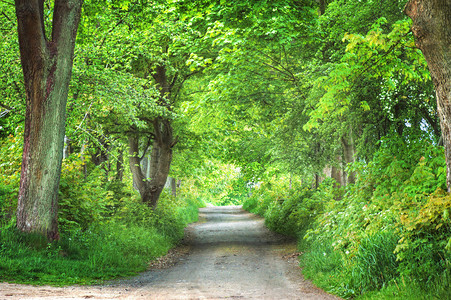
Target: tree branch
[32,41]
[110,31]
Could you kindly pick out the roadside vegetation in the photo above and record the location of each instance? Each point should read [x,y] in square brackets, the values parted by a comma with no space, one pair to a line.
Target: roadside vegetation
[384,237]
[105,230]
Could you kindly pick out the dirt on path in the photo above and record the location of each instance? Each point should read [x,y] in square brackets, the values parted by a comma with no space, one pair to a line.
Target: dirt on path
[228,254]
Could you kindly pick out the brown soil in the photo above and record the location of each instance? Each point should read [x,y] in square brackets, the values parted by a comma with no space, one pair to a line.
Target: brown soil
[228,254]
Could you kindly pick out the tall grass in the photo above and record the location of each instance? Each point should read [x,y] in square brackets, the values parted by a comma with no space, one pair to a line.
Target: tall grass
[104,251]
[375,263]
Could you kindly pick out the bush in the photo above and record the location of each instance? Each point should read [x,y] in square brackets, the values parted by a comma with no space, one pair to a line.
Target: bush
[425,245]
[10,164]
[82,201]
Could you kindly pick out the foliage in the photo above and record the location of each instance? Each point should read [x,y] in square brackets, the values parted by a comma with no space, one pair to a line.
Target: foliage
[83,257]
[289,211]
[105,231]
[375,264]
[102,251]
[12,91]
[265,95]
[82,201]
[10,161]
[390,227]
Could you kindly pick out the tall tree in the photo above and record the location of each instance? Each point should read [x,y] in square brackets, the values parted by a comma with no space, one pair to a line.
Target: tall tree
[47,68]
[432,30]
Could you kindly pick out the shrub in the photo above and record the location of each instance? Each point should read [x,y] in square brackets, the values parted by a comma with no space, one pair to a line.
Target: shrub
[82,201]
[425,245]
[117,246]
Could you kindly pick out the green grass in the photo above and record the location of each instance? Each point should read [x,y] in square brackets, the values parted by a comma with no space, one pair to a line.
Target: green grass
[80,257]
[409,291]
[103,252]
[372,276]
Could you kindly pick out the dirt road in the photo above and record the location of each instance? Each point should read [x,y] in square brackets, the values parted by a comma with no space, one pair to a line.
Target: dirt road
[231,256]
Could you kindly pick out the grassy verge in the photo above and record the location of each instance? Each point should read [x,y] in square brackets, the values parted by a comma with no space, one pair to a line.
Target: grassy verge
[372,274]
[122,246]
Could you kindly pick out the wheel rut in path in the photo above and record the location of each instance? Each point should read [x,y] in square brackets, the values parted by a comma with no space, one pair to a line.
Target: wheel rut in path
[232,255]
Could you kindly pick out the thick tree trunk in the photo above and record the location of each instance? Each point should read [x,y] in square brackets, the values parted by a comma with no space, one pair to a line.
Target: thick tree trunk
[336,174]
[151,187]
[47,67]
[161,158]
[151,183]
[432,31]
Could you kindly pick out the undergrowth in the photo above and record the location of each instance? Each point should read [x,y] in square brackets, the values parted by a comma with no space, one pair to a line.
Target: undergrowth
[388,236]
[105,231]
[118,247]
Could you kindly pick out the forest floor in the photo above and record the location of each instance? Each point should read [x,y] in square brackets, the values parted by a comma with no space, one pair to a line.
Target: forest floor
[228,254]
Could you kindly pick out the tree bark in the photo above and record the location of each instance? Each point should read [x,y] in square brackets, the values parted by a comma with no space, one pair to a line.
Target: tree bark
[160,162]
[47,68]
[322,6]
[120,166]
[139,180]
[432,30]
[337,174]
[161,158]
[151,183]
[173,185]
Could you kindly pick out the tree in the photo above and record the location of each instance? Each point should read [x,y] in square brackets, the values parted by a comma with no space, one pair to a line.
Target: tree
[47,67]
[432,30]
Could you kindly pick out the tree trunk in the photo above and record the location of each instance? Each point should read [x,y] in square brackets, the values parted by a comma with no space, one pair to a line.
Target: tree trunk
[66,149]
[47,68]
[322,6]
[120,166]
[139,180]
[145,166]
[161,158]
[316,181]
[151,186]
[173,185]
[160,162]
[336,174]
[432,31]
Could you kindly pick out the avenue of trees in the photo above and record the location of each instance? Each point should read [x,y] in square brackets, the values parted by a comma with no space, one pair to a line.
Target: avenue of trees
[329,117]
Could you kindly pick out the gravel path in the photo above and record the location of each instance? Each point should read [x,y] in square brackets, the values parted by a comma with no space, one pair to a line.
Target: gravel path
[228,254]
